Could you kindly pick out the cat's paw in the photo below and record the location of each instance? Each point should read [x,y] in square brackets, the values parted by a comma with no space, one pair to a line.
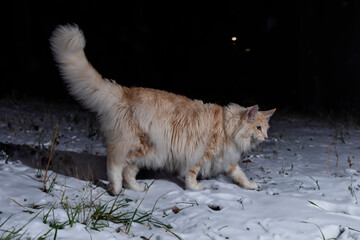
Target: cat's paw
[114,189]
[136,186]
[141,187]
[252,186]
[195,187]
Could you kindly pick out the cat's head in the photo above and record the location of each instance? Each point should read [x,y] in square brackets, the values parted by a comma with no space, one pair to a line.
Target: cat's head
[257,123]
[248,126]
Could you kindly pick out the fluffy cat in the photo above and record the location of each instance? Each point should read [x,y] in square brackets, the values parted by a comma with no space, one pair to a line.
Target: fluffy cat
[148,128]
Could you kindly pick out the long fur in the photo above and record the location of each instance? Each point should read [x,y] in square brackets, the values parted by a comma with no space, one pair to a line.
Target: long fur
[148,128]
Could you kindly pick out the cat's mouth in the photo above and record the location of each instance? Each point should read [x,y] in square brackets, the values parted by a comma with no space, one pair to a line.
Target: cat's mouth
[255,140]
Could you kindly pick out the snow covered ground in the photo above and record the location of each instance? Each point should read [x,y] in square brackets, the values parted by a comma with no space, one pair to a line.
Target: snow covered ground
[308,172]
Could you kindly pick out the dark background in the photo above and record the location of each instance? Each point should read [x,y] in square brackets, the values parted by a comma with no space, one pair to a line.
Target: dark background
[297,56]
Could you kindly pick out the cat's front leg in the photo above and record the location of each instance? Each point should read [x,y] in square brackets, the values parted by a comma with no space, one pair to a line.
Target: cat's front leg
[190,179]
[239,177]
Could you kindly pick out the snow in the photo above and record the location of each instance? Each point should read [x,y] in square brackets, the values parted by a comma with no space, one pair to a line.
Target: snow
[308,171]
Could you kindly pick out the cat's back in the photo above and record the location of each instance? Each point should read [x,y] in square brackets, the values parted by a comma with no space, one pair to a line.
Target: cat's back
[155,97]
[162,102]
[152,106]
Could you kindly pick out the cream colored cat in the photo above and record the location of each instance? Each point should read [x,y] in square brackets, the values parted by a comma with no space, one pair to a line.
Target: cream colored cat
[148,128]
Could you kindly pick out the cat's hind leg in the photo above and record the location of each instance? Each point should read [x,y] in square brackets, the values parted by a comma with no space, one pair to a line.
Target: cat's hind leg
[129,175]
[116,163]
[190,179]
[114,174]
[239,177]
[122,157]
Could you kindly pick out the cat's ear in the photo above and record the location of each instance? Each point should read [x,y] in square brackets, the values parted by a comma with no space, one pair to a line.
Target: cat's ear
[251,112]
[268,113]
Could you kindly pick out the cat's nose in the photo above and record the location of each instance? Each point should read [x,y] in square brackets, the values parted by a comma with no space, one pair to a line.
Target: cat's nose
[265,137]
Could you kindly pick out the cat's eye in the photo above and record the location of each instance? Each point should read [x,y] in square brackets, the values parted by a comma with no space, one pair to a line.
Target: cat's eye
[258,128]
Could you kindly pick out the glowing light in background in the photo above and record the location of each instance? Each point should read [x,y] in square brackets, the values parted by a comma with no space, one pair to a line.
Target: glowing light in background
[233,39]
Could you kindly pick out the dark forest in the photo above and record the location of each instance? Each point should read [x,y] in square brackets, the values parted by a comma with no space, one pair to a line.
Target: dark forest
[297,56]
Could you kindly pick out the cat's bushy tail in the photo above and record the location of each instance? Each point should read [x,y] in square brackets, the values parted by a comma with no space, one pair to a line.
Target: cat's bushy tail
[84,82]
